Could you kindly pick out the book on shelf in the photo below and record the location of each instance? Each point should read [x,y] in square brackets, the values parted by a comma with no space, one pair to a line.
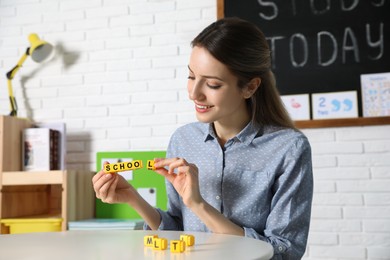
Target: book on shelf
[40,148]
[106,223]
[61,128]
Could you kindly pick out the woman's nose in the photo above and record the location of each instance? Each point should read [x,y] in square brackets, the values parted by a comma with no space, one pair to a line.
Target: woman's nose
[195,92]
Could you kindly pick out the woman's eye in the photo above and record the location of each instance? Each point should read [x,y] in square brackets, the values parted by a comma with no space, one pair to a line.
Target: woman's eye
[191,77]
[213,86]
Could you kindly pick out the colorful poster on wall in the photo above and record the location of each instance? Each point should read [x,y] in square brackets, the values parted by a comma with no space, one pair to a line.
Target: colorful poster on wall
[335,105]
[375,94]
[297,106]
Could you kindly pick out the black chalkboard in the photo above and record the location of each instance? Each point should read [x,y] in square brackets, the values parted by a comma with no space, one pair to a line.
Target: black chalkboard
[320,45]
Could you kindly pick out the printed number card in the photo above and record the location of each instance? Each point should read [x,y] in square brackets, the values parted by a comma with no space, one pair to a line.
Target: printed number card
[297,106]
[375,94]
[334,105]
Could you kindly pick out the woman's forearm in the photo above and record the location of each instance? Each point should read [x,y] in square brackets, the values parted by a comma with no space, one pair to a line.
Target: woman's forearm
[215,221]
[148,213]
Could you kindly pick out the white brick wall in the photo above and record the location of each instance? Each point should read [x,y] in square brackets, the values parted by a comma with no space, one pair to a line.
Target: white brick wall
[118,81]
[351,206]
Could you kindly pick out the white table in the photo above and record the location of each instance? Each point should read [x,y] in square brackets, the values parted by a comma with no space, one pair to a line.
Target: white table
[127,244]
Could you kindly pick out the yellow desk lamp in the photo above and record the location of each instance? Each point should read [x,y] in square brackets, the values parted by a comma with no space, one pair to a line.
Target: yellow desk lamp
[39,51]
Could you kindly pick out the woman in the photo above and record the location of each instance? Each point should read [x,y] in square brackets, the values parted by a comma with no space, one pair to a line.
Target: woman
[243,169]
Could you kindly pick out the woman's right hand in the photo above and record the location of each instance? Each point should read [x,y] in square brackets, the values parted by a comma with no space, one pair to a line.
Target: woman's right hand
[113,188]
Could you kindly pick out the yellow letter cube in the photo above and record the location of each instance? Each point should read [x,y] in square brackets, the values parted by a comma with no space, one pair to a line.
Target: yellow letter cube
[188,239]
[178,246]
[160,243]
[148,240]
[151,165]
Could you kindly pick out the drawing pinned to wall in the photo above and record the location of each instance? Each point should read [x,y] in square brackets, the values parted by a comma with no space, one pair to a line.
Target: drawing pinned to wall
[149,194]
[335,105]
[375,94]
[297,106]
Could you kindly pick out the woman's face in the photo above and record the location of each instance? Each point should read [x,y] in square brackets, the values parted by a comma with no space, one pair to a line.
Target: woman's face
[214,90]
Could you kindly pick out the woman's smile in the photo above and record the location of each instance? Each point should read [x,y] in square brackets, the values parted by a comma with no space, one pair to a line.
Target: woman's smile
[200,108]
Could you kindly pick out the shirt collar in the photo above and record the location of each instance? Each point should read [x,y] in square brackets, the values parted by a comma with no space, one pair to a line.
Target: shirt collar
[246,136]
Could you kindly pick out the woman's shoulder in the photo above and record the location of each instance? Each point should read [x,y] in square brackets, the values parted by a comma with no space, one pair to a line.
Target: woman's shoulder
[287,135]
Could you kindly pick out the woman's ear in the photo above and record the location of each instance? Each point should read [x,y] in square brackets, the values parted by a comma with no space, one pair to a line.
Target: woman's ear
[251,87]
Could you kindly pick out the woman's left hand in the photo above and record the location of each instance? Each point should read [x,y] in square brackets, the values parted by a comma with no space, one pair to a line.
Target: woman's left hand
[185,180]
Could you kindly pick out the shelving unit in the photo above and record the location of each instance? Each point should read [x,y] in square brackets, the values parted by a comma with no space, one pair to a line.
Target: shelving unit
[27,195]
[343,122]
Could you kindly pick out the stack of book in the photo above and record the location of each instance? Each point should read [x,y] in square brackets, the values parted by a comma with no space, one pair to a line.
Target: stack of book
[41,149]
[106,224]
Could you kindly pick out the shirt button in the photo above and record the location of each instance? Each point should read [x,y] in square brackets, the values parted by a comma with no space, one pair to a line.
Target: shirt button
[280,248]
[217,197]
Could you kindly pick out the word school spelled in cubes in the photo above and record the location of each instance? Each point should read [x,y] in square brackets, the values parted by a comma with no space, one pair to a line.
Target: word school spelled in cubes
[123,166]
[176,246]
[128,166]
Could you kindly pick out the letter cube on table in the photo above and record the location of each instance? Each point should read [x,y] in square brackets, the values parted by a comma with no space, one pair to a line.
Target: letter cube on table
[160,243]
[178,246]
[188,239]
[148,240]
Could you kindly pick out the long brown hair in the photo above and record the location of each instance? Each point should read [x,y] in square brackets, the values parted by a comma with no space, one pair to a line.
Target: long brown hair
[243,48]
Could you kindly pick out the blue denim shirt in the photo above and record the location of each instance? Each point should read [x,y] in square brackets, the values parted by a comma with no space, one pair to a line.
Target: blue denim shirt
[261,180]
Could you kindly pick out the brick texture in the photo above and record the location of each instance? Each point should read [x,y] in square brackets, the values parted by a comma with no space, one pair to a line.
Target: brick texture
[118,81]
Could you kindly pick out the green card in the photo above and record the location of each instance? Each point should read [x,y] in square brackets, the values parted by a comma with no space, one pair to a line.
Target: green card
[149,184]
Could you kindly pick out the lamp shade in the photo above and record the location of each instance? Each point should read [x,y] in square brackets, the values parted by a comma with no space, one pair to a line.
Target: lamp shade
[39,49]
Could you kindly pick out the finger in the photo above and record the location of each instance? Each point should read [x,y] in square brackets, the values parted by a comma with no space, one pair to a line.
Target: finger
[96,177]
[176,164]
[159,163]
[102,185]
[99,174]
[166,174]
[98,180]
[183,170]
[111,190]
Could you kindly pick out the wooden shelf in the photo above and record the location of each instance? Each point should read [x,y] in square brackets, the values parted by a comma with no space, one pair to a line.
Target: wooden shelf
[33,194]
[343,122]
[27,194]
[31,178]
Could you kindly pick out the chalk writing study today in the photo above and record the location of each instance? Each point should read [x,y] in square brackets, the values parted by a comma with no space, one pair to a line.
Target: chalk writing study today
[330,47]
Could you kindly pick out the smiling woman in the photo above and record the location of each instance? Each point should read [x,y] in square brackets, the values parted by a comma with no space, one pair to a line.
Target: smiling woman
[243,169]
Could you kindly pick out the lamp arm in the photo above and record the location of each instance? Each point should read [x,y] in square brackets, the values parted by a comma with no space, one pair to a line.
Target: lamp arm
[12,100]
[10,75]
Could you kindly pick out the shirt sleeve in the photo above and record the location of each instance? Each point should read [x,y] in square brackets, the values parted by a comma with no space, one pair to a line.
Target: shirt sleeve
[288,223]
